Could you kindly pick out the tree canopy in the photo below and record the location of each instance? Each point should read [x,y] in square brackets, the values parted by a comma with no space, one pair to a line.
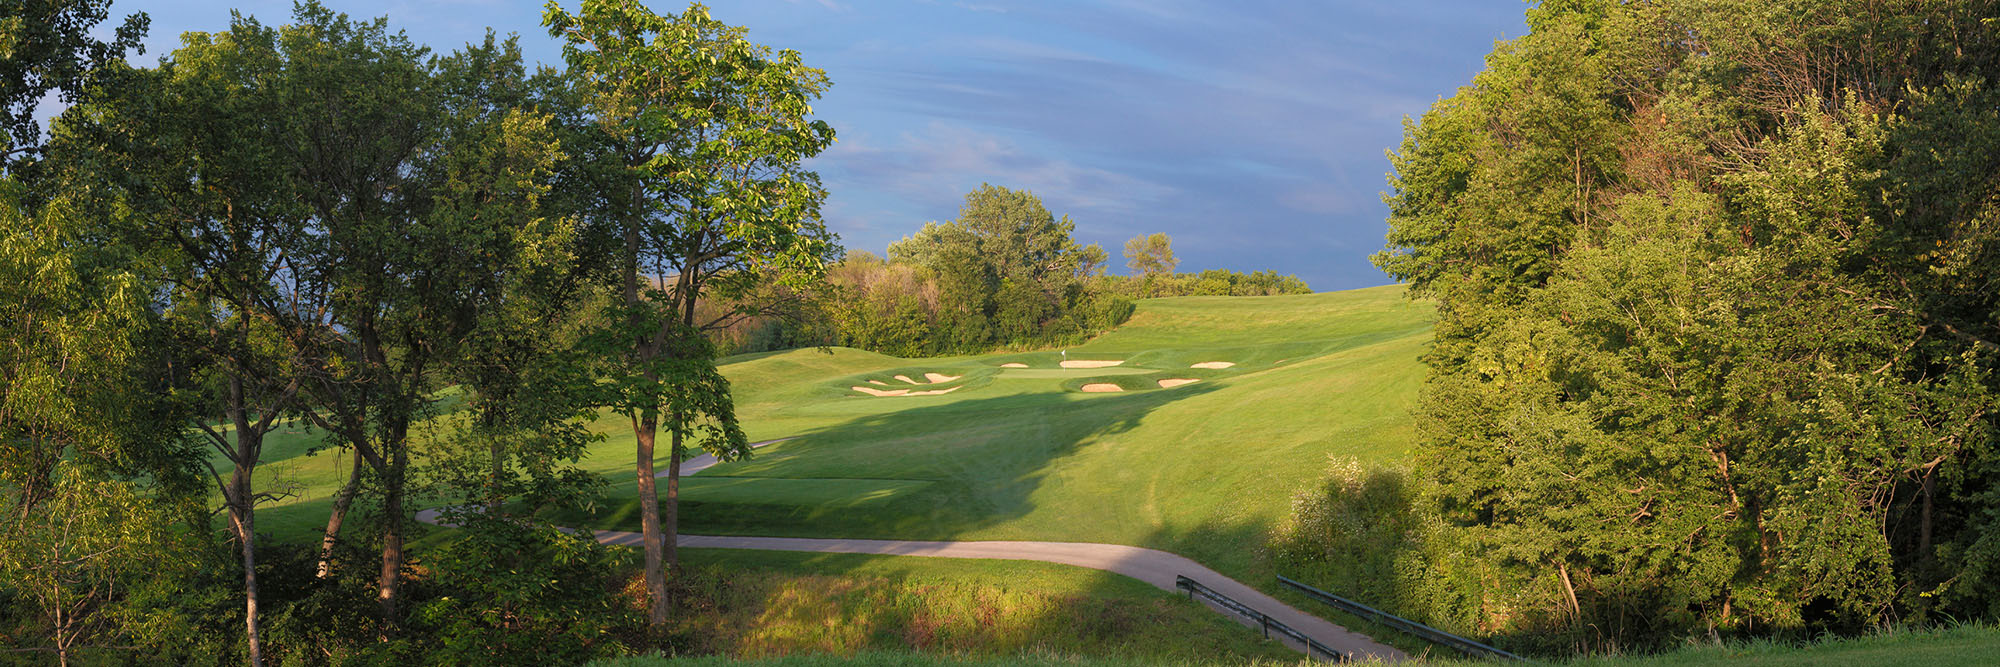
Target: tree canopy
[1151,254]
[1717,320]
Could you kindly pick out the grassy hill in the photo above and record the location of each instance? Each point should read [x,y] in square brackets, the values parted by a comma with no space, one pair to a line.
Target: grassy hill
[1202,469]
[1020,453]
[1015,450]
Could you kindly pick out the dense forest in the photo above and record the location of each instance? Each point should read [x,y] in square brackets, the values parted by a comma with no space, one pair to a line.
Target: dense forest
[1719,319]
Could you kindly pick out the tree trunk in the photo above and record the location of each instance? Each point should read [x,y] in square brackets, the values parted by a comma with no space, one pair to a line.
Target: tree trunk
[242,504]
[671,516]
[341,501]
[392,538]
[246,532]
[644,429]
[494,497]
[1575,609]
[1924,523]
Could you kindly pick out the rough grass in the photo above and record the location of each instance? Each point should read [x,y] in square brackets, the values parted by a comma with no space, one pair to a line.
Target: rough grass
[759,604]
[1940,647]
[1967,645]
[913,659]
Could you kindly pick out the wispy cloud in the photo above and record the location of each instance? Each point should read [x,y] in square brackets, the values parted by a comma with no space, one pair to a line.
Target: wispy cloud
[939,163]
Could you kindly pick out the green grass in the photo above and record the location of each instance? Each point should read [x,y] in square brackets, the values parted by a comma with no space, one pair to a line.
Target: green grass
[1967,645]
[1945,647]
[767,604]
[1204,470]
[916,659]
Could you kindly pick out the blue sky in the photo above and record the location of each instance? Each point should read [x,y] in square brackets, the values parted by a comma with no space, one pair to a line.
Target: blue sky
[1252,132]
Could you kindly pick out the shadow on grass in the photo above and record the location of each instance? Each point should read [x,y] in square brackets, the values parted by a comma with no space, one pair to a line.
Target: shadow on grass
[934,472]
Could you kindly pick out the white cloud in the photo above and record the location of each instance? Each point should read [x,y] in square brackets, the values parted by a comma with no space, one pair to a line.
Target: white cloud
[939,163]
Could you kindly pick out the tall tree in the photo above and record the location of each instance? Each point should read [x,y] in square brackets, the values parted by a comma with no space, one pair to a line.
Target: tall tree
[703,133]
[1151,254]
[200,166]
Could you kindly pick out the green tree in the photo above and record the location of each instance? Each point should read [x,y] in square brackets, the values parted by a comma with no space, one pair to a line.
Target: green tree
[702,134]
[81,411]
[1007,269]
[1151,255]
[47,46]
[191,146]
[1704,359]
[72,555]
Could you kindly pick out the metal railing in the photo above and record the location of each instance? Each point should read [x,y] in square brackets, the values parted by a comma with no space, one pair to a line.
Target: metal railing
[1268,624]
[1466,646]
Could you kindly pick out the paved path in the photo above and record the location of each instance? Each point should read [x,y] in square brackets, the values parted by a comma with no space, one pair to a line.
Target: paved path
[1148,565]
[706,461]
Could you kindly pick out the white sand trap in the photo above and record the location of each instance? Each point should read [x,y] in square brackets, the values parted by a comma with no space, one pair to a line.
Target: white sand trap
[935,392]
[1175,382]
[940,377]
[1014,365]
[1079,363]
[905,379]
[1101,387]
[1214,364]
[878,382]
[871,391]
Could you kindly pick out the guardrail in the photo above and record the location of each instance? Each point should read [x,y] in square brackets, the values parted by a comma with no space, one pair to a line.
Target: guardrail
[1468,647]
[1268,624]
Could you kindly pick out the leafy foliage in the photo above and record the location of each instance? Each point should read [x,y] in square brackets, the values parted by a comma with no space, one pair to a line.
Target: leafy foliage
[1151,254]
[1704,361]
[47,46]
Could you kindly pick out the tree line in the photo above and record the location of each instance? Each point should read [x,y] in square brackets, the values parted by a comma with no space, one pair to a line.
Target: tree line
[1006,273]
[1717,336]
[443,264]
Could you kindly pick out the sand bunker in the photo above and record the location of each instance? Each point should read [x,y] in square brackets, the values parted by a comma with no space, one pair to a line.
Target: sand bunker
[1175,382]
[878,382]
[1014,365]
[871,391]
[1090,364]
[1214,364]
[1101,387]
[930,378]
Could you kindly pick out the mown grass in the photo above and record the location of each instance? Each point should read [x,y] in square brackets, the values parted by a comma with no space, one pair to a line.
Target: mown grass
[1202,469]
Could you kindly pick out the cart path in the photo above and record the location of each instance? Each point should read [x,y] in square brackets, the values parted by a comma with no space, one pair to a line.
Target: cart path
[1152,566]
[706,461]
[1148,565]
